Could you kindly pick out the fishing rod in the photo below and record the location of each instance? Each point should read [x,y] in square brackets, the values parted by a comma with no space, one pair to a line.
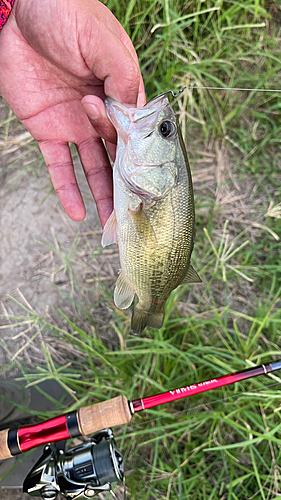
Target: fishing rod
[116,411]
[90,468]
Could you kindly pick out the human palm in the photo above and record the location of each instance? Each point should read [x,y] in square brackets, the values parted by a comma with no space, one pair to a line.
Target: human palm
[52,55]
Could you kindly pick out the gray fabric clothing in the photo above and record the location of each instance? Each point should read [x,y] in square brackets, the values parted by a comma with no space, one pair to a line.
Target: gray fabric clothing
[12,396]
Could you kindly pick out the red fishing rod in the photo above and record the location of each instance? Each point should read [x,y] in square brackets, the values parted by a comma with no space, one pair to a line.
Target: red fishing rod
[116,411]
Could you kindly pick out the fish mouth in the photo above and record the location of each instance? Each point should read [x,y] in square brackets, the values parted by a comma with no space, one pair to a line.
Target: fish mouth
[110,101]
[125,107]
[133,114]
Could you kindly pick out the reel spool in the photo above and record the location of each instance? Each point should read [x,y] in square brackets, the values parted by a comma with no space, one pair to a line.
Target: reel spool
[81,472]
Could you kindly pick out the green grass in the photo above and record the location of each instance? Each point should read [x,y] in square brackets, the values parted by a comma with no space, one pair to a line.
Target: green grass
[225,444]
[228,438]
[222,444]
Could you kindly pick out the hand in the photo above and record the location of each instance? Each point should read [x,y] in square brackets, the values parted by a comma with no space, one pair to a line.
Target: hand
[53,53]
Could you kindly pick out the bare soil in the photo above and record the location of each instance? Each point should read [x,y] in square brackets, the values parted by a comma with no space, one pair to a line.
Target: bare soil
[37,240]
[42,251]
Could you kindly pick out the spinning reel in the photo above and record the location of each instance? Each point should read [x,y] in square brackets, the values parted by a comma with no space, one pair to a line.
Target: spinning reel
[81,472]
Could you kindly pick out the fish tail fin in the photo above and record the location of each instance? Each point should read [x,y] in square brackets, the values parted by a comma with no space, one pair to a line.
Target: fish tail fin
[141,319]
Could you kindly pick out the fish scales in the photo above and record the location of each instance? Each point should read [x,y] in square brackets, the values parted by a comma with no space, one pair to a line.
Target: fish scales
[161,259]
[153,218]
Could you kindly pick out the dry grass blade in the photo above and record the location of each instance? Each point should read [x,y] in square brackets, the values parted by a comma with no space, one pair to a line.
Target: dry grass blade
[274,210]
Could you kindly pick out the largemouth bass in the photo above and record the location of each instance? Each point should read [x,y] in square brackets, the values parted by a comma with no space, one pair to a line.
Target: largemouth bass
[153,217]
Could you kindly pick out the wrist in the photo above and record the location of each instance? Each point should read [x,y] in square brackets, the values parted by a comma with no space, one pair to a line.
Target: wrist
[5,9]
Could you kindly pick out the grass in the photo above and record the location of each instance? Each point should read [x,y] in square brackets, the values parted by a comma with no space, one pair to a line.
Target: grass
[228,438]
[225,444]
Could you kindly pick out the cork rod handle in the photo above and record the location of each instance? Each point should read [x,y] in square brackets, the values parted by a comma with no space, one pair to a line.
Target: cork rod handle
[4,448]
[85,421]
[106,414]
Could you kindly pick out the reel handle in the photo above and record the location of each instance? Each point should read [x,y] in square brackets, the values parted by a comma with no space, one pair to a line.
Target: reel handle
[85,421]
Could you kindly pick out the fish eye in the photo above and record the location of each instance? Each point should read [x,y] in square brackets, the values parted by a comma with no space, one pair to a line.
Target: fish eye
[166,128]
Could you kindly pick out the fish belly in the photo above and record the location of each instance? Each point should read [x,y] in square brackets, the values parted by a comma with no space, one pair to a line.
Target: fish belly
[155,245]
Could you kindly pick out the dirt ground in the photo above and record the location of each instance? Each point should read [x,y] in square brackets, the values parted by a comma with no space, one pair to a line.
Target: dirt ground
[40,247]
[13,495]
[27,219]
[36,239]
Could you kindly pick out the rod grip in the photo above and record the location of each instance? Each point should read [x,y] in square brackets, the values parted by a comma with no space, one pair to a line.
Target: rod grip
[4,448]
[85,421]
[98,416]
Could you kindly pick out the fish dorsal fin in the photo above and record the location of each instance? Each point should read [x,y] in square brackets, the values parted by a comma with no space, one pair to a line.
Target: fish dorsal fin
[123,293]
[109,234]
[191,276]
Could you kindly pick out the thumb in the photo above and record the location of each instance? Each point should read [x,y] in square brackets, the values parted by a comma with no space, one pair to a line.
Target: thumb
[95,109]
[111,56]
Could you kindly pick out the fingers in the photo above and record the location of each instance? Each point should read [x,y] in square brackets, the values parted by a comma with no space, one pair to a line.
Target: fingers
[121,75]
[60,166]
[95,109]
[99,175]
[97,170]
[141,99]
[110,60]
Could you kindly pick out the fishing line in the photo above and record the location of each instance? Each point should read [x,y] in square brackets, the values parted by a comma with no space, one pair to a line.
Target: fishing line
[191,87]
[211,88]
[230,88]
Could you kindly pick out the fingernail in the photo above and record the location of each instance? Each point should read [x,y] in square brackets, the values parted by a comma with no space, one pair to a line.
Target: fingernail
[91,110]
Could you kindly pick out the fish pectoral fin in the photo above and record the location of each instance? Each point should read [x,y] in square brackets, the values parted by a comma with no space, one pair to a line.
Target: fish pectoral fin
[191,276]
[142,224]
[135,210]
[109,234]
[123,292]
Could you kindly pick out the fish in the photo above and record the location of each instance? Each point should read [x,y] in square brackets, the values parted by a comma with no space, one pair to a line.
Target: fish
[153,220]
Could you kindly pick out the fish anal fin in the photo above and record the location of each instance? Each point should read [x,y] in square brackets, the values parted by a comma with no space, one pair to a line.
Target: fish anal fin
[141,319]
[123,292]
[156,320]
[109,234]
[191,276]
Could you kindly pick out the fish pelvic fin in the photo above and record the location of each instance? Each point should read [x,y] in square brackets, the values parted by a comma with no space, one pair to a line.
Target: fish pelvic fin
[191,276]
[109,234]
[123,292]
[141,319]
